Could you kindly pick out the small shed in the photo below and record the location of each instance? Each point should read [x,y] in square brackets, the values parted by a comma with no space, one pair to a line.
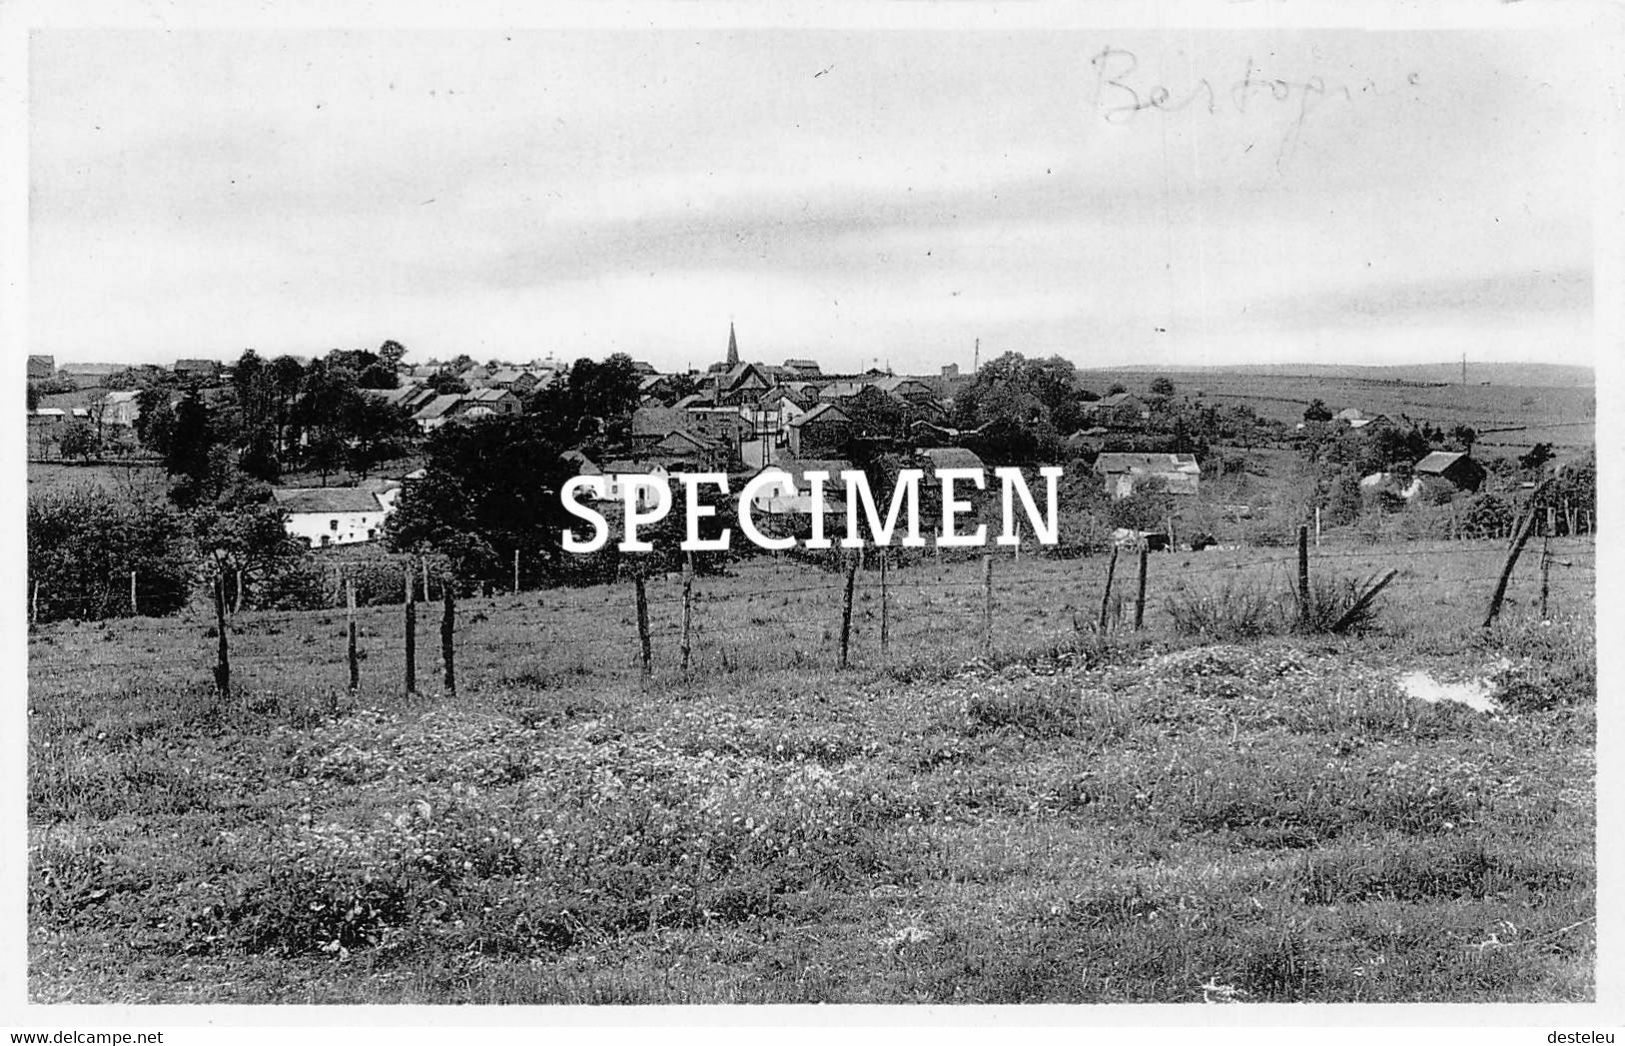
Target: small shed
[1456,468]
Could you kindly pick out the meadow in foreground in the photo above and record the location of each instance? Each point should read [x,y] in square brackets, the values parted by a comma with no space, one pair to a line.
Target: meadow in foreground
[1151,819]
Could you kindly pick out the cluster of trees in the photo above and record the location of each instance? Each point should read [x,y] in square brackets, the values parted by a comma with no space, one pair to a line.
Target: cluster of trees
[492,489]
[1023,409]
[593,404]
[282,416]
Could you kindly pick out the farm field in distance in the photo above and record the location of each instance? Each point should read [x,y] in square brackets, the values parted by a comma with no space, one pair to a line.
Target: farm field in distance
[1560,414]
[1151,816]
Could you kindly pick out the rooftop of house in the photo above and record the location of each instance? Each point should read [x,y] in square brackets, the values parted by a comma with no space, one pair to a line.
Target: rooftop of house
[325,500]
[822,412]
[1126,462]
[438,407]
[951,458]
[1440,460]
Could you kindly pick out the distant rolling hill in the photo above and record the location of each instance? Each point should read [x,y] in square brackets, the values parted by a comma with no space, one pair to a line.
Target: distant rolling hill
[1528,375]
[1512,405]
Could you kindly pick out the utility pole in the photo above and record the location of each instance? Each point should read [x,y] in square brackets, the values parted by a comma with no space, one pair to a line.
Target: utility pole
[976,360]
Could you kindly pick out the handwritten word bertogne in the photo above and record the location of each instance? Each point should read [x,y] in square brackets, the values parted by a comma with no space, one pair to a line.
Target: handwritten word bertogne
[1121,94]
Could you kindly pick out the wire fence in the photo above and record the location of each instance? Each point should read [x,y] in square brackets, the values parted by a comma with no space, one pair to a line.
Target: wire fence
[767,614]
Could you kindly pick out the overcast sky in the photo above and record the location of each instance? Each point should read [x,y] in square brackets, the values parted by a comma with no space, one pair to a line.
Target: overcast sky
[851,196]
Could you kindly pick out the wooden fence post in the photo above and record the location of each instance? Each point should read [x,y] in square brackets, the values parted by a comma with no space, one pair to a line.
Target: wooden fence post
[688,607]
[1139,594]
[448,628]
[237,593]
[646,666]
[987,602]
[1317,526]
[222,667]
[516,571]
[411,633]
[1303,572]
[424,562]
[135,610]
[1106,596]
[885,623]
[349,614]
[1526,527]
[1545,572]
[33,605]
[846,608]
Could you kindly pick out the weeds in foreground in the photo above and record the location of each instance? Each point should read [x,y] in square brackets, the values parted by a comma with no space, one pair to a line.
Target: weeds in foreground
[1234,610]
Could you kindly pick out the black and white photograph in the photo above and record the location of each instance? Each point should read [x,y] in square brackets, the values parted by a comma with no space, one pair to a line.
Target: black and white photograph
[904,508]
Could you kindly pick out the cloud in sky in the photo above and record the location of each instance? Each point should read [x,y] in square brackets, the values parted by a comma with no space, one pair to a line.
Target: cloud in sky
[853,195]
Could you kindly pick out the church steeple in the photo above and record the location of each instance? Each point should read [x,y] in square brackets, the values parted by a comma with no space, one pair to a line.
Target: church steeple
[733,347]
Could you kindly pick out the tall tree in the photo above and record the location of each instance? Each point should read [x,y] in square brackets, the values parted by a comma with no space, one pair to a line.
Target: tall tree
[391,353]
[191,438]
[488,489]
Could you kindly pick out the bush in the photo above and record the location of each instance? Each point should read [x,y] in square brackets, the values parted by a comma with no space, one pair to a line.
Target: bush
[1233,610]
[83,544]
[1330,598]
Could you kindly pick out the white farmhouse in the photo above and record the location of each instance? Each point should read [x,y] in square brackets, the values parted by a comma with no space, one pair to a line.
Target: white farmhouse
[332,515]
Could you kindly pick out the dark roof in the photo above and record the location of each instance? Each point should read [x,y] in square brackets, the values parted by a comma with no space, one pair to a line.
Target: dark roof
[658,421]
[438,407]
[951,458]
[489,395]
[1440,461]
[1124,462]
[325,499]
[698,441]
[582,463]
[822,412]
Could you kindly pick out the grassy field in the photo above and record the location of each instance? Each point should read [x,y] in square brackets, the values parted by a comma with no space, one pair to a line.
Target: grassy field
[1071,818]
[1508,416]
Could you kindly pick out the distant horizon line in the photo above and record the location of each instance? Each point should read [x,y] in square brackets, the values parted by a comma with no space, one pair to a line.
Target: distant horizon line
[1171,366]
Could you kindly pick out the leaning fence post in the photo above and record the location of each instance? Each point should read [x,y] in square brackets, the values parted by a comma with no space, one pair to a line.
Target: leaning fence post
[33,605]
[1352,614]
[1106,596]
[645,666]
[987,602]
[846,608]
[448,628]
[222,667]
[411,634]
[351,653]
[1139,595]
[1303,572]
[1526,527]
[688,607]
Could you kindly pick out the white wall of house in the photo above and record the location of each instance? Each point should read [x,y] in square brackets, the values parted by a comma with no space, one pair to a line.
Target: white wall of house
[619,481]
[336,528]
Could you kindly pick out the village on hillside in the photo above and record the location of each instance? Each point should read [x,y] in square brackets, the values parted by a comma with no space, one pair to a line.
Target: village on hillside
[329,445]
